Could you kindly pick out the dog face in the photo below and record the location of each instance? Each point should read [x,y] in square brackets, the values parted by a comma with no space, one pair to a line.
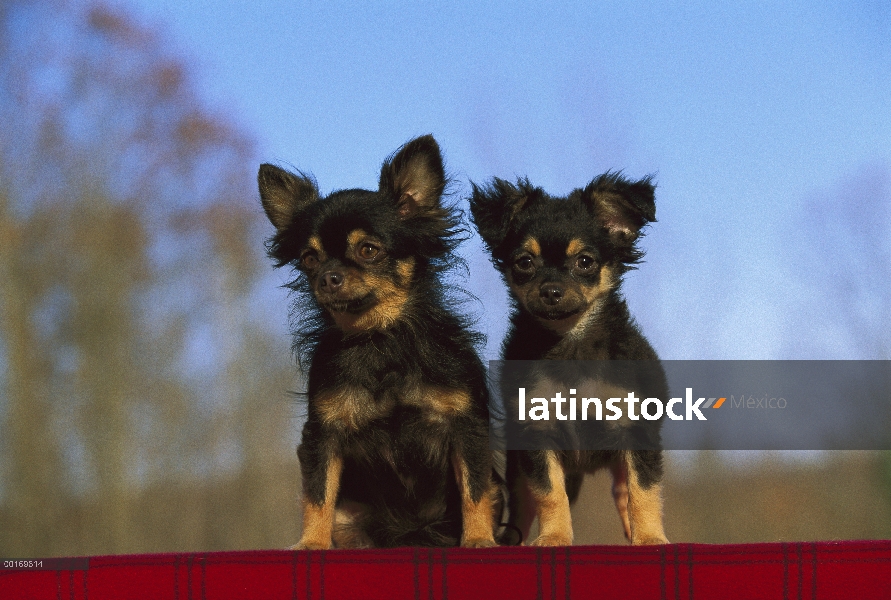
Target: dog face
[356,274]
[362,252]
[562,256]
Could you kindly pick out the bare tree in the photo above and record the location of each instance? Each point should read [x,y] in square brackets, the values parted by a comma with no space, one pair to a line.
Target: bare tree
[133,372]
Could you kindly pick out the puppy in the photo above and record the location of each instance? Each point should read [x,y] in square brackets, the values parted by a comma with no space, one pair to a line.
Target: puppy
[563,260]
[395,448]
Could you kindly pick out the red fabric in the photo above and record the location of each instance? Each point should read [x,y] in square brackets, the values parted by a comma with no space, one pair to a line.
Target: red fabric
[823,570]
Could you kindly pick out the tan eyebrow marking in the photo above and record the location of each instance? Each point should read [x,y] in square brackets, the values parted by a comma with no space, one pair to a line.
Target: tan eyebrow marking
[532,246]
[315,243]
[354,237]
[574,247]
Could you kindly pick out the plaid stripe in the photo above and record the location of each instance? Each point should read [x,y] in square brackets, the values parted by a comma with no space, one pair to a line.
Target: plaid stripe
[801,571]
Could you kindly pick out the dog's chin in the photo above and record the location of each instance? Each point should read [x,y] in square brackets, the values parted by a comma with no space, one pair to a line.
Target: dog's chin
[356,315]
[558,321]
[352,306]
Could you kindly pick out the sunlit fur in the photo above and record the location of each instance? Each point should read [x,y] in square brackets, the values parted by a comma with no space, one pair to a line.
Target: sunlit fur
[395,389]
[563,261]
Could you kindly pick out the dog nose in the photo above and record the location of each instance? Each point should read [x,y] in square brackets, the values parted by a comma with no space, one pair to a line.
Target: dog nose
[551,293]
[331,281]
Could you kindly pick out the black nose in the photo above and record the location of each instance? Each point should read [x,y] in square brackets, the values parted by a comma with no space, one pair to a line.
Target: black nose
[331,281]
[551,293]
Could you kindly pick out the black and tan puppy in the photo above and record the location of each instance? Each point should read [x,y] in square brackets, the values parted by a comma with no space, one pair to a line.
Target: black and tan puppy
[395,449]
[563,259]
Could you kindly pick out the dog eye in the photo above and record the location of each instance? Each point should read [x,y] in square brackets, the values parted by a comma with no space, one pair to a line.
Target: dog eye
[368,251]
[584,263]
[524,263]
[309,260]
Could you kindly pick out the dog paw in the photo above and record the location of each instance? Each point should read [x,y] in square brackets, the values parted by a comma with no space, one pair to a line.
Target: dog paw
[552,540]
[650,541]
[301,545]
[479,543]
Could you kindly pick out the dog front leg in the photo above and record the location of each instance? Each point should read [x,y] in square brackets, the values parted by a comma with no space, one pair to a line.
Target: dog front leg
[476,502]
[321,482]
[644,468]
[548,485]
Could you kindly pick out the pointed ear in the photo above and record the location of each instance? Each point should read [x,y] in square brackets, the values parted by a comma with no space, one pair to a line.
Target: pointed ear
[622,207]
[414,176]
[495,206]
[284,194]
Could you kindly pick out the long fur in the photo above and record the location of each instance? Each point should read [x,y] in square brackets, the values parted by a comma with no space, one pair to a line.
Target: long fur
[564,260]
[396,393]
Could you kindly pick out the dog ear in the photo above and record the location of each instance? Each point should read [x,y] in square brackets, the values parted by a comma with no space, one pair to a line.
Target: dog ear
[284,194]
[622,207]
[495,206]
[414,176]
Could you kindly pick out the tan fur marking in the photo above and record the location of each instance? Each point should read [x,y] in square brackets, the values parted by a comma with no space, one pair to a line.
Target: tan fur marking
[532,246]
[554,518]
[590,295]
[318,520]
[391,299]
[574,247]
[606,283]
[316,244]
[644,510]
[406,269]
[478,525]
[348,408]
[391,296]
[446,401]
[354,237]
[593,296]
[439,404]
[452,401]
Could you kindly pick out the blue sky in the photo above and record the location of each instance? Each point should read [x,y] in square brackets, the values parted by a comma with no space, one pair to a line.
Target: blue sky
[768,128]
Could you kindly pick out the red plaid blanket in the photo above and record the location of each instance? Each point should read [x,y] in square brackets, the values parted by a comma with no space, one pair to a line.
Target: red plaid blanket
[802,570]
